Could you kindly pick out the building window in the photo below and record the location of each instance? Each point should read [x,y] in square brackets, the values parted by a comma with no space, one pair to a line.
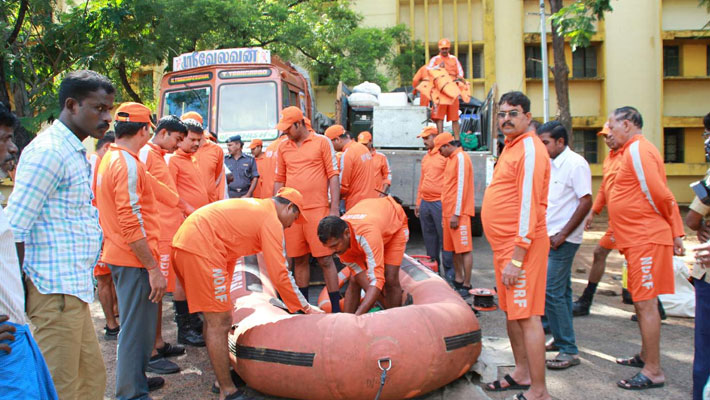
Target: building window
[477,67]
[533,62]
[671,61]
[584,62]
[585,144]
[673,145]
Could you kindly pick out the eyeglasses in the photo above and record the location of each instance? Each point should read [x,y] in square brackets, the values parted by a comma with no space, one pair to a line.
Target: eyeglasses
[511,114]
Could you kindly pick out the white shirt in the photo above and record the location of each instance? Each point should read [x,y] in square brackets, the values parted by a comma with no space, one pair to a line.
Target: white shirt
[12,294]
[570,180]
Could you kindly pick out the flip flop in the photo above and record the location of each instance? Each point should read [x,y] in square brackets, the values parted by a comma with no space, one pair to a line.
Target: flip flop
[512,385]
[638,382]
[562,361]
[634,361]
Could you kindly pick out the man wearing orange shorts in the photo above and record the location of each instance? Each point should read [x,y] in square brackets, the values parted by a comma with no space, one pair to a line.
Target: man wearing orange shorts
[370,239]
[451,64]
[206,248]
[355,165]
[649,230]
[513,216]
[306,162]
[457,208]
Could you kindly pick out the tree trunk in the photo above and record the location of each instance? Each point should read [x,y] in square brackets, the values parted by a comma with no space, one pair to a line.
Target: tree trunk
[126,84]
[560,72]
[22,109]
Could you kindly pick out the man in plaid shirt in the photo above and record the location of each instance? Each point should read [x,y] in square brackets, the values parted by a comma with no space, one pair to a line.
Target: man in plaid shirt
[58,236]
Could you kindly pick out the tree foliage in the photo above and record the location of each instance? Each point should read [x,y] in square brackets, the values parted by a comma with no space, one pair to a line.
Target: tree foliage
[576,21]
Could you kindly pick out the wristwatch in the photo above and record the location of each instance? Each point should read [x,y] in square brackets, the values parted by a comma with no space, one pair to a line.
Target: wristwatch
[516,263]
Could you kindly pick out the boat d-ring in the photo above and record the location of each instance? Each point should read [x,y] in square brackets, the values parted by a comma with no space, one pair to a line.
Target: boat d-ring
[389,366]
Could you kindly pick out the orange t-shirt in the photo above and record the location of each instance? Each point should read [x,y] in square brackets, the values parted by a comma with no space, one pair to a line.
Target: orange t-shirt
[153,156]
[451,63]
[609,170]
[372,223]
[267,168]
[383,174]
[227,238]
[433,165]
[457,196]
[127,207]
[210,158]
[356,175]
[188,179]
[515,203]
[307,168]
[642,210]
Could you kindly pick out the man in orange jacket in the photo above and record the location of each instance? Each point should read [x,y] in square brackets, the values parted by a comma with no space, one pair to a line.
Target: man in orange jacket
[451,64]
[210,159]
[649,230]
[129,217]
[206,248]
[457,208]
[381,167]
[513,216]
[306,162]
[370,239]
[355,165]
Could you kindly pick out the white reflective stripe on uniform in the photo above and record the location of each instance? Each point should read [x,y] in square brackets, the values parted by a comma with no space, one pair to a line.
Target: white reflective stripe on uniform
[342,164]
[167,158]
[355,267]
[640,175]
[143,153]
[333,159]
[432,62]
[526,196]
[132,174]
[459,183]
[301,300]
[370,258]
[389,170]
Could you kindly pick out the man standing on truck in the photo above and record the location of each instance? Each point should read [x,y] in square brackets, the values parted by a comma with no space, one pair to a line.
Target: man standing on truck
[448,61]
[382,171]
[356,175]
[458,206]
[306,162]
[210,159]
[428,204]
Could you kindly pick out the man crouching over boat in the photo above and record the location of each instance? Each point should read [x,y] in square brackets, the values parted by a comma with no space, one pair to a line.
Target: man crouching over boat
[205,250]
[370,239]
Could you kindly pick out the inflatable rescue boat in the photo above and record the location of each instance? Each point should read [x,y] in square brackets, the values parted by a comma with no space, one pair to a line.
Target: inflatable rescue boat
[431,340]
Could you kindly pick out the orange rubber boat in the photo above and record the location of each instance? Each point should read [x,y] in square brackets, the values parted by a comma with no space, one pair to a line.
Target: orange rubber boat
[430,341]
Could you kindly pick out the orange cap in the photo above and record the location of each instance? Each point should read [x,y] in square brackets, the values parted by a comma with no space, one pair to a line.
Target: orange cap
[255,142]
[134,112]
[605,130]
[295,197]
[289,116]
[428,131]
[334,131]
[444,43]
[192,115]
[364,137]
[442,139]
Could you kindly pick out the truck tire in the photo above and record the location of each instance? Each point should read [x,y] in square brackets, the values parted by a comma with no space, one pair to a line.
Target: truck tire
[477,225]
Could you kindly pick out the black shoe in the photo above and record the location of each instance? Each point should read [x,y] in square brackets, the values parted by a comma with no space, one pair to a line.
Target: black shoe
[111,334]
[155,383]
[159,365]
[186,334]
[238,395]
[661,311]
[581,307]
[464,292]
[196,322]
[626,297]
[238,382]
[169,350]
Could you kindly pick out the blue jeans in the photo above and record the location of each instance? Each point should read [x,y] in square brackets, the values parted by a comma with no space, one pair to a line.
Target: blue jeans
[430,220]
[558,296]
[701,361]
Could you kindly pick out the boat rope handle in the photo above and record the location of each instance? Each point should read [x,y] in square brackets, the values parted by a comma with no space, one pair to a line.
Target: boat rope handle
[383,377]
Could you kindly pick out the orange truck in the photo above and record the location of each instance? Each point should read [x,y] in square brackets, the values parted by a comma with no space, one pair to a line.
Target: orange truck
[237,91]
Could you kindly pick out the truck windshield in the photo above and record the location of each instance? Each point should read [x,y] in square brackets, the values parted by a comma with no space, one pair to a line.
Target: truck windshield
[249,109]
[179,102]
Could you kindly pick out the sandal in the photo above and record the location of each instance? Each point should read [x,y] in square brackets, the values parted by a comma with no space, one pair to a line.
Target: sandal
[562,361]
[638,382]
[634,361]
[512,385]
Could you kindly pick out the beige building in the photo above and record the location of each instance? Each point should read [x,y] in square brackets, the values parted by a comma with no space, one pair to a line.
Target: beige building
[651,54]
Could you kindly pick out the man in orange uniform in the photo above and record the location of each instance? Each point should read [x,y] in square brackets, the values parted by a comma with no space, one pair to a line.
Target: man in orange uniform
[428,204]
[513,215]
[381,167]
[370,239]
[457,208]
[607,242]
[356,175]
[447,61]
[306,162]
[256,146]
[128,214]
[267,167]
[104,284]
[206,248]
[168,133]
[210,158]
[649,230]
